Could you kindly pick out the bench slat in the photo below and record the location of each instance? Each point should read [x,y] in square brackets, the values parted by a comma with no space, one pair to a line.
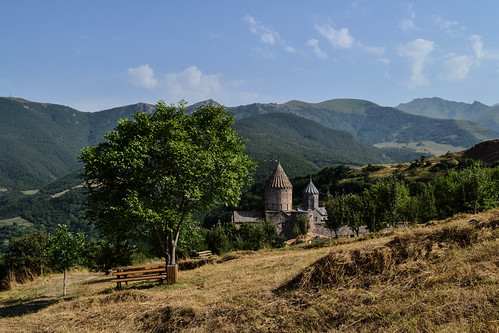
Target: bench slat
[121,268]
[203,254]
[138,278]
[144,271]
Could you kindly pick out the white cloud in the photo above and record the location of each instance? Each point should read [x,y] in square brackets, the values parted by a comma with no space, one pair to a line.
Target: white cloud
[192,84]
[480,53]
[408,22]
[314,44]
[417,53]
[266,33]
[457,67]
[142,76]
[446,26]
[338,38]
[477,46]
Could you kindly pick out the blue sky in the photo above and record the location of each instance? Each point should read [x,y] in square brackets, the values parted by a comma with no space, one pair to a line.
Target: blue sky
[94,55]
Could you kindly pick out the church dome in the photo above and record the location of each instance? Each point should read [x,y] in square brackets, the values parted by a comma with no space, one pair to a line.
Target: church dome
[279,179]
[311,189]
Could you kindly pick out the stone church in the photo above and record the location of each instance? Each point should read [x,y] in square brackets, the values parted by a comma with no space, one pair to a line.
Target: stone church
[279,207]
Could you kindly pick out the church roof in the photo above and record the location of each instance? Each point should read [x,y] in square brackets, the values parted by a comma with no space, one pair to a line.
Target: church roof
[311,189]
[279,178]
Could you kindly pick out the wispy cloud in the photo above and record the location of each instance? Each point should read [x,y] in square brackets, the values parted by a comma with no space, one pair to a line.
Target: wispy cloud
[457,67]
[142,76]
[480,53]
[267,34]
[337,38]
[416,53]
[378,51]
[314,44]
[407,22]
[447,26]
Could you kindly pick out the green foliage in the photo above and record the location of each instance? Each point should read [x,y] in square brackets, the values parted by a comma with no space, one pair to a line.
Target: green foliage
[25,255]
[302,226]
[151,173]
[470,190]
[100,255]
[191,240]
[335,213]
[389,201]
[64,250]
[222,239]
[249,236]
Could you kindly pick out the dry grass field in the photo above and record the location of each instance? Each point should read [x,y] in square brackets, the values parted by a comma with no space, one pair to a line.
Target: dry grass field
[438,277]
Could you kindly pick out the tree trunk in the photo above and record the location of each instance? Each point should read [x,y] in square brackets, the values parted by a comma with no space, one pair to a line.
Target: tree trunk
[64,284]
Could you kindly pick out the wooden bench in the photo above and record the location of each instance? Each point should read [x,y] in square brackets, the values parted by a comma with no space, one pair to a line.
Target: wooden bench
[138,273]
[203,254]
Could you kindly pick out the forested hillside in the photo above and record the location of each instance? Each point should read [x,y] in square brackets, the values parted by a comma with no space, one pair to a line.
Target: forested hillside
[304,146]
[39,142]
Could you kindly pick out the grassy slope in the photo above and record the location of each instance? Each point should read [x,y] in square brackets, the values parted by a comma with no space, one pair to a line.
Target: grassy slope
[437,277]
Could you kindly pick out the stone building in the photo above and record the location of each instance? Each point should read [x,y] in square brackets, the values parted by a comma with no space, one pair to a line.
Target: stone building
[279,207]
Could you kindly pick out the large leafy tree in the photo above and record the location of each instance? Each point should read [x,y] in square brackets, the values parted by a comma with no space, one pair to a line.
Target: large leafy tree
[150,173]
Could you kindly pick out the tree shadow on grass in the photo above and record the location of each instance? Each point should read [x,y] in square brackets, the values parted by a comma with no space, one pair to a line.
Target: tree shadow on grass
[17,308]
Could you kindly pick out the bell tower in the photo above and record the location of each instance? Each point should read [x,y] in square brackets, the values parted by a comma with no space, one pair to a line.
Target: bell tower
[279,191]
[310,197]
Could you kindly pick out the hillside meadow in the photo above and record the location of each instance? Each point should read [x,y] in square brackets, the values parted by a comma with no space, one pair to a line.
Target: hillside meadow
[438,277]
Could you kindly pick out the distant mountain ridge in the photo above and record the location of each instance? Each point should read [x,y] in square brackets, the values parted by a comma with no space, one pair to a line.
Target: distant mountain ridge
[383,127]
[487,116]
[39,142]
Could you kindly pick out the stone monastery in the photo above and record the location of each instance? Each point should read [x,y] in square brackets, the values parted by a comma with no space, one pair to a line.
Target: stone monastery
[279,207]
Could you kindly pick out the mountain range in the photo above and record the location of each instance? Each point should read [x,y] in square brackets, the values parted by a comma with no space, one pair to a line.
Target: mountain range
[487,116]
[39,142]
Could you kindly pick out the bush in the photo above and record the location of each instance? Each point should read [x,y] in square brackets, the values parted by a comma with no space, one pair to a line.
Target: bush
[302,226]
[102,255]
[218,241]
[25,256]
[249,236]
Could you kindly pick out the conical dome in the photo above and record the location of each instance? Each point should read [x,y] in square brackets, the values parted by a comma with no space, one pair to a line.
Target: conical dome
[310,197]
[279,179]
[311,189]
